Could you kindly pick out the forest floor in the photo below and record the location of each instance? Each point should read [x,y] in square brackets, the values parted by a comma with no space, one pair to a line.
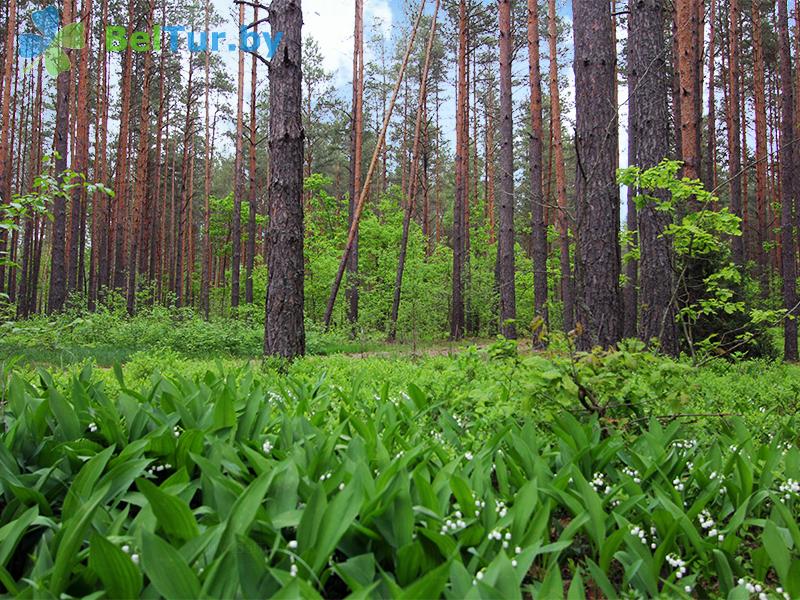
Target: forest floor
[373,436]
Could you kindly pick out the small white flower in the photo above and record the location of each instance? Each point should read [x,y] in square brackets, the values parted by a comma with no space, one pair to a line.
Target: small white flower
[126,549]
[514,562]
[517,550]
[687,589]
[267,447]
[341,486]
[468,456]
[293,571]
[292,545]
[479,575]
[135,558]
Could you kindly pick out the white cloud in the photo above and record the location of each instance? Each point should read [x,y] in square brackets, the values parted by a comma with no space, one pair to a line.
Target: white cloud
[331,23]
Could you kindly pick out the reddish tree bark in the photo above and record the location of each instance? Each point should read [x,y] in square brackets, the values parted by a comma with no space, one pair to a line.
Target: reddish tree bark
[567,284]
[789,166]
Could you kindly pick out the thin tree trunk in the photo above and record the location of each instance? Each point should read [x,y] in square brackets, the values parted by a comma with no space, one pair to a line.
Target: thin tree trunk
[141,173]
[789,165]
[761,147]
[538,228]
[687,37]
[236,226]
[734,137]
[356,150]
[205,284]
[505,240]
[61,145]
[251,218]
[81,161]
[567,285]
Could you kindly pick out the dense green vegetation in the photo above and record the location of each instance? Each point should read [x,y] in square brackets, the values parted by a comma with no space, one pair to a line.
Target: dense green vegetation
[486,473]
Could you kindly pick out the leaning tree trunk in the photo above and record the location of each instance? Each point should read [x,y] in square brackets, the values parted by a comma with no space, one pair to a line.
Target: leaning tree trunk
[505,240]
[788,163]
[597,264]
[285,330]
[649,132]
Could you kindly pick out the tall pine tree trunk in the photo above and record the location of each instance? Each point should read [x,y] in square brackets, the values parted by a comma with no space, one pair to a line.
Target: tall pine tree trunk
[457,317]
[539,230]
[567,284]
[58,253]
[649,132]
[505,240]
[238,194]
[789,165]
[356,151]
[734,130]
[285,329]
[597,265]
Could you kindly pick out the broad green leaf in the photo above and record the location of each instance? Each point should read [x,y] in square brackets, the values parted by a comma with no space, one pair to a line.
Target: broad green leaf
[71,539]
[167,571]
[173,514]
[121,578]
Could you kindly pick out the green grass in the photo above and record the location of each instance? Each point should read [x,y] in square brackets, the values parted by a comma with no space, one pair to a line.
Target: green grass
[385,478]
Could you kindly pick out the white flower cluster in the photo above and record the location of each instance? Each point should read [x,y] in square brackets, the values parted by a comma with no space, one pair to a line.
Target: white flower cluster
[708,524]
[757,588]
[478,577]
[642,535]
[787,489]
[158,468]
[479,505]
[679,485]
[267,446]
[633,474]
[469,456]
[500,508]
[455,524]
[176,431]
[713,475]
[684,444]
[325,476]
[599,483]
[134,557]
[500,537]
[92,427]
[437,435]
[678,564]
